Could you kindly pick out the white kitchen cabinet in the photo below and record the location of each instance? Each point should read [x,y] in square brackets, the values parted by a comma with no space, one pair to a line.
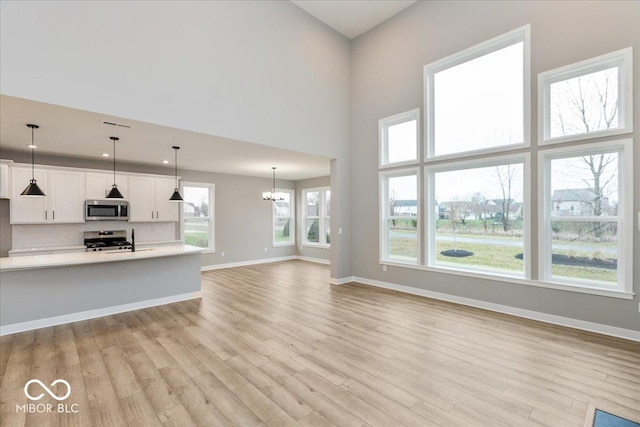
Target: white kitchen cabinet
[28,210]
[149,200]
[166,210]
[99,185]
[142,199]
[63,202]
[66,201]
[5,179]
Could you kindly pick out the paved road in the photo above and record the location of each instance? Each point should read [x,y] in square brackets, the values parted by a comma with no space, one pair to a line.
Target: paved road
[490,241]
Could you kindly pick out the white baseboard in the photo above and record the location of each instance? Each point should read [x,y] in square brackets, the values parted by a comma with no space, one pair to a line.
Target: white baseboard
[263,261]
[312,259]
[342,281]
[245,263]
[92,314]
[599,328]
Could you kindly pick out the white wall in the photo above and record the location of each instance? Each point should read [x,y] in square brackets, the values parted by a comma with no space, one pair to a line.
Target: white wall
[386,79]
[259,71]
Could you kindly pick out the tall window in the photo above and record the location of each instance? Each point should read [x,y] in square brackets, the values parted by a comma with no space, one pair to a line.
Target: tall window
[477,100]
[477,218]
[316,211]
[587,100]
[198,215]
[283,219]
[585,214]
[399,227]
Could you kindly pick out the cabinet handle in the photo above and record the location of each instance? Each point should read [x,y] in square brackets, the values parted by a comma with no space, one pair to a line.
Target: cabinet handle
[151,214]
[54,215]
[45,214]
[157,215]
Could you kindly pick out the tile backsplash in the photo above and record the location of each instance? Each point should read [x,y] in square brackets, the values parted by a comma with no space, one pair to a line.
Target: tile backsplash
[45,235]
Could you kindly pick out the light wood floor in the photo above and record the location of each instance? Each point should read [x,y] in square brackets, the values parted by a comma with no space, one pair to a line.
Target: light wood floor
[275,344]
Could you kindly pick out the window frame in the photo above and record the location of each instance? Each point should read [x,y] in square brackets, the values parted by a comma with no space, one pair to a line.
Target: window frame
[625,222]
[383,137]
[521,34]
[212,204]
[383,188]
[623,59]
[292,219]
[429,202]
[322,232]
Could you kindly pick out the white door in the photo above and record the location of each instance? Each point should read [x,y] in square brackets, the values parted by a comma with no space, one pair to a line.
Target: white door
[142,194]
[28,210]
[166,210]
[66,201]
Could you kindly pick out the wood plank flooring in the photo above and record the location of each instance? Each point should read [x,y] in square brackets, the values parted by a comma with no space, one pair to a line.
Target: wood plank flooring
[276,345]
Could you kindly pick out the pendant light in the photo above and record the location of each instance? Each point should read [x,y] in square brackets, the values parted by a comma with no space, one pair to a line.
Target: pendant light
[32,189]
[271,196]
[176,197]
[114,193]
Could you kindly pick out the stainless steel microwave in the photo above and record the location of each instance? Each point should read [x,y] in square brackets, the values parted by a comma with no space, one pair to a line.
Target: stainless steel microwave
[106,210]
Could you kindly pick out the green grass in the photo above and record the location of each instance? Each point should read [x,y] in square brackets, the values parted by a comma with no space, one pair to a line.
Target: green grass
[499,258]
[197,238]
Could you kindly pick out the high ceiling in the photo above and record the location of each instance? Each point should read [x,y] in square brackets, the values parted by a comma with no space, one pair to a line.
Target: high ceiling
[82,134]
[353,17]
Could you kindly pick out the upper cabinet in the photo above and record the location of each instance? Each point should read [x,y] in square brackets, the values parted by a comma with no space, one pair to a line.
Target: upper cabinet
[63,203]
[67,189]
[99,184]
[149,201]
[5,179]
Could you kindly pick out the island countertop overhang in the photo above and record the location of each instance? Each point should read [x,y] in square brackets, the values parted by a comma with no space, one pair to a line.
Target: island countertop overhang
[83,258]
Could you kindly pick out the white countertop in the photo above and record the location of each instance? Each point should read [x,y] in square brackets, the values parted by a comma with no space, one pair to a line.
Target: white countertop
[80,258]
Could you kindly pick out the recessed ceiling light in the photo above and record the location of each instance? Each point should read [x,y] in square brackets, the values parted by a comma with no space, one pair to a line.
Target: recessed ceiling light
[35,146]
[165,162]
[105,154]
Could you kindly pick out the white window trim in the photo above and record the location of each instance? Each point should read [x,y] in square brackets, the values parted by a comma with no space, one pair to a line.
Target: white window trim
[383,139]
[623,59]
[321,218]
[292,219]
[522,34]
[625,216]
[383,197]
[212,210]
[429,207]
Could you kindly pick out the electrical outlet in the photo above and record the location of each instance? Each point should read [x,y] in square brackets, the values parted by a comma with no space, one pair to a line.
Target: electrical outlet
[339,230]
[222,253]
[265,250]
[384,268]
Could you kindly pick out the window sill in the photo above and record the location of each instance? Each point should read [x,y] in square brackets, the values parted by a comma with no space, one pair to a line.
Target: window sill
[318,246]
[280,245]
[209,251]
[516,280]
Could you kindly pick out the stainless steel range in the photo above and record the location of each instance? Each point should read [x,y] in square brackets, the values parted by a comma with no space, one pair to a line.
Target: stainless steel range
[106,240]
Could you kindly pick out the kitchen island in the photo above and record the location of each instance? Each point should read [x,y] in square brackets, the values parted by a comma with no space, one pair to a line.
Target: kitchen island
[46,290]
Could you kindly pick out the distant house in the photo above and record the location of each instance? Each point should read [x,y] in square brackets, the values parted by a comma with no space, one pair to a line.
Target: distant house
[404,208]
[189,209]
[577,202]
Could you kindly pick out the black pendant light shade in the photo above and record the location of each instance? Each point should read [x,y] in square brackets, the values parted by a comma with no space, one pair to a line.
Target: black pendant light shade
[271,196]
[176,196]
[32,189]
[114,193]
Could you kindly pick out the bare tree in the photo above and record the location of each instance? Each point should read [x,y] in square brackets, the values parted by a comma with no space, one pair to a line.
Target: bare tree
[480,206]
[506,175]
[592,104]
